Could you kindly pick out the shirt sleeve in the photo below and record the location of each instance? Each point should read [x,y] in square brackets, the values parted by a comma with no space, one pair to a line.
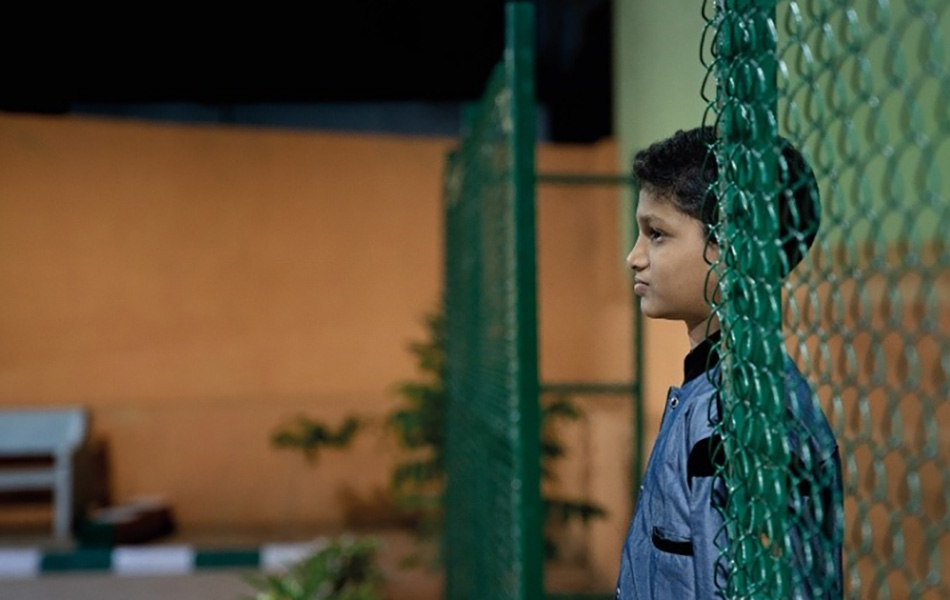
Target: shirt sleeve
[815,532]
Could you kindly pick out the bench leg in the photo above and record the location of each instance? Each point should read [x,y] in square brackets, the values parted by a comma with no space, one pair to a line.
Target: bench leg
[63,497]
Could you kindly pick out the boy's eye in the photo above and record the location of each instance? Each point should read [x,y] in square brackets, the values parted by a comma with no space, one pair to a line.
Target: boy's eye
[654,234]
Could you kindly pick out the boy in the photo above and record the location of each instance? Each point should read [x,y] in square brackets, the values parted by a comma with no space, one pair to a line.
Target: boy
[676,546]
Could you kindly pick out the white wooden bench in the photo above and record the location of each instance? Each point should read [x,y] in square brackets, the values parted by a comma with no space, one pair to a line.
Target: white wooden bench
[55,433]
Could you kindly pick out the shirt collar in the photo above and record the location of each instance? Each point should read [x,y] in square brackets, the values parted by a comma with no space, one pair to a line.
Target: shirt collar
[703,357]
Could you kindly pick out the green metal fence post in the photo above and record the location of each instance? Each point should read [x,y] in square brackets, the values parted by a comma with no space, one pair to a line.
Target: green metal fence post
[493,510]
[636,453]
[519,56]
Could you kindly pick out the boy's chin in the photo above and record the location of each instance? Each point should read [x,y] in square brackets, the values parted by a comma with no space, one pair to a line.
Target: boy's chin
[650,310]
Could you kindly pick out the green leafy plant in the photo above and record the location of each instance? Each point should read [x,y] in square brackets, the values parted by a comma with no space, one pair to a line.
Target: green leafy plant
[343,570]
[310,436]
[417,481]
[419,426]
[557,408]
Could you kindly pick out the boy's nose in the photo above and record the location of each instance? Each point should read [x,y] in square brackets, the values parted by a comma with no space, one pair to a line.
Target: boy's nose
[636,259]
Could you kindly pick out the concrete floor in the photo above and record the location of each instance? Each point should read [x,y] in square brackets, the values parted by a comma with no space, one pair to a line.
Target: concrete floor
[414,584]
[224,585]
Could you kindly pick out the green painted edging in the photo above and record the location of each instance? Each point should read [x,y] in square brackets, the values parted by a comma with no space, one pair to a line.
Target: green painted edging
[100,559]
[218,559]
[77,560]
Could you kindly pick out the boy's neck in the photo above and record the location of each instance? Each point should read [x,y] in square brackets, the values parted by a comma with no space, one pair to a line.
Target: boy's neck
[700,331]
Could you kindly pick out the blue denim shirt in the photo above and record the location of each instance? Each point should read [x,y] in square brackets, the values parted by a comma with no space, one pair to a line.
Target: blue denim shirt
[676,537]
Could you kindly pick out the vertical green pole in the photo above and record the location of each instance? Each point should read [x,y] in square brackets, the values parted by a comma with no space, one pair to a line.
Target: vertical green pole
[636,463]
[753,392]
[519,59]
[453,342]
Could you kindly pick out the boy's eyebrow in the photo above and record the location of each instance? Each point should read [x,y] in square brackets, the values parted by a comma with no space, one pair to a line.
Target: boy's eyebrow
[651,220]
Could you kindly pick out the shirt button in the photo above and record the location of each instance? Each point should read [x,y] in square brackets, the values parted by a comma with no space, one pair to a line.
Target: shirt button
[674,402]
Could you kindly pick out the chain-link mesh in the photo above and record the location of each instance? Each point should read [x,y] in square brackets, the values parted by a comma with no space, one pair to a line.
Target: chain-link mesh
[862,89]
[493,543]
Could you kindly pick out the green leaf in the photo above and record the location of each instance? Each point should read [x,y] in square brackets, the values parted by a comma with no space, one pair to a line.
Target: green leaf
[417,472]
[560,406]
[568,510]
[310,436]
[551,449]
[344,569]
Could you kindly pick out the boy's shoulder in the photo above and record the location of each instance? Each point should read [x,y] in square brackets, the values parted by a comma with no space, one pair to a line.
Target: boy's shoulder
[807,421]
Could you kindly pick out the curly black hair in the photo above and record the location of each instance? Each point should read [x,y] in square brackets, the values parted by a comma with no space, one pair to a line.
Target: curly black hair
[683,169]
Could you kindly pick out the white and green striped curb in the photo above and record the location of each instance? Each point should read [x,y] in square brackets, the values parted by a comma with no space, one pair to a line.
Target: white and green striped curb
[149,560]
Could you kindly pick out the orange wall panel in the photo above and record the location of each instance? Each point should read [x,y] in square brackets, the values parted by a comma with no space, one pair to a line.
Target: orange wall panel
[196,286]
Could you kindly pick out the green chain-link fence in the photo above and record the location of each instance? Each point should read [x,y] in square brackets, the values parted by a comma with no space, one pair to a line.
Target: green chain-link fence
[493,504]
[862,88]
[494,512]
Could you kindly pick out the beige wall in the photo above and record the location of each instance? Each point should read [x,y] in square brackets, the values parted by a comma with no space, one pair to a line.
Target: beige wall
[195,286]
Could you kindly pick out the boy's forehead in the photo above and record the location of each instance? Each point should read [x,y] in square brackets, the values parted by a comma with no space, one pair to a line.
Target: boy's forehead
[652,205]
[661,210]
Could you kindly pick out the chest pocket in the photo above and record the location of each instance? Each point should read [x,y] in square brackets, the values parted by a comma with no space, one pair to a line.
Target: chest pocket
[671,544]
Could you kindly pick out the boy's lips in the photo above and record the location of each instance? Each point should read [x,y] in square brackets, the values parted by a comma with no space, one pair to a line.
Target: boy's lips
[640,287]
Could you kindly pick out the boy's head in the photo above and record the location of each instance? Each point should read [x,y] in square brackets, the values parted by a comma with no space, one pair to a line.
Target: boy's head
[678,206]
